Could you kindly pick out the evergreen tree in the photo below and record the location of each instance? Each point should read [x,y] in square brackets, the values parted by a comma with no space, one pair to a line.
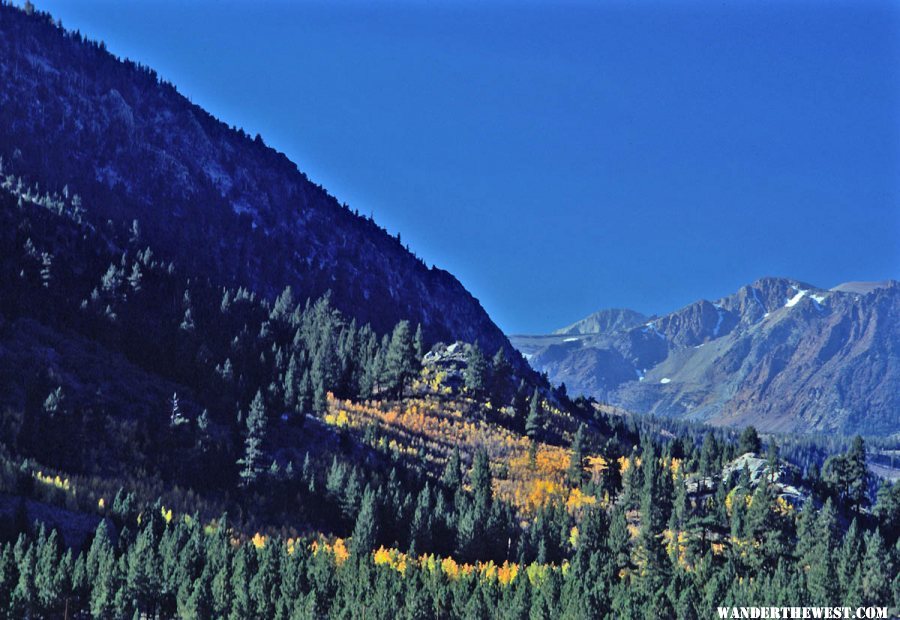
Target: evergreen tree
[821,578]
[520,406]
[365,531]
[749,441]
[857,474]
[534,424]
[709,455]
[576,460]
[419,343]
[652,554]
[476,372]
[876,571]
[55,402]
[401,362]
[501,374]
[452,476]
[251,462]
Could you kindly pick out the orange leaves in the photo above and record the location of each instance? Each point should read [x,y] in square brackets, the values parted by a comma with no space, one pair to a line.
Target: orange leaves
[507,573]
[542,492]
[428,428]
[450,568]
[337,549]
[531,484]
[675,467]
[392,558]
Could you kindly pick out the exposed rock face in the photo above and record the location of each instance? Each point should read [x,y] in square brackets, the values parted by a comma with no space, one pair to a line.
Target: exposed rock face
[786,479]
[779,354]
[219,203]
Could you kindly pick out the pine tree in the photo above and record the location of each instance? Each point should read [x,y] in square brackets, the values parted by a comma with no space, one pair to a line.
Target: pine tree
[175,416]
[652,554]
[23,601]
[101,565]
[401,362]
[576,460]
[534,424]
[476,371]
[55,402]
[821,577]
[501,373]
[876,571]
[480,479]
[749,441]
[46,269]
[291,383]
[848,557]
[857,474]
[520,406]
[419,342]
[284,305]
[251,463]
[47,579]
[452,476]
[135,277]
[709,455]
[365,531]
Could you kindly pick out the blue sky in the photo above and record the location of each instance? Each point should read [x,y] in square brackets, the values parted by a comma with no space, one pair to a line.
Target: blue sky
[560,158]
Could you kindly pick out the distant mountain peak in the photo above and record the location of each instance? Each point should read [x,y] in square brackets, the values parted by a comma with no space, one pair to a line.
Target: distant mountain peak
[863,288]
[779,353]
[604,321]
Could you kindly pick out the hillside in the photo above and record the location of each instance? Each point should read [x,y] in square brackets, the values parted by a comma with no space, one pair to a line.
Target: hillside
[221,204]
[778,354]
[223,395]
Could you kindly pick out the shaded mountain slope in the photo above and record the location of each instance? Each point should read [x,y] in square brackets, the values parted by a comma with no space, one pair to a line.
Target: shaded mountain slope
[221,204]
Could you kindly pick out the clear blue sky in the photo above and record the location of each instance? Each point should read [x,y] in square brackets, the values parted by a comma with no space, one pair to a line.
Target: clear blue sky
[561,158]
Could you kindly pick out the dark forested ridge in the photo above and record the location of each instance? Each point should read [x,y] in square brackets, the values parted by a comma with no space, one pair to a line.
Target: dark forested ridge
[197,435]
[220,203]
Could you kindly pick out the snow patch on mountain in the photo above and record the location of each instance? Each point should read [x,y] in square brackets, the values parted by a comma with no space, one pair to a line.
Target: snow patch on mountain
[793,301]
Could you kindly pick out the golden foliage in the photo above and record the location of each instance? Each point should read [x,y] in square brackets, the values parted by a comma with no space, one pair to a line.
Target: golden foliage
[54,481]
[337,549]
[258,540]
[428,428]
[578,500]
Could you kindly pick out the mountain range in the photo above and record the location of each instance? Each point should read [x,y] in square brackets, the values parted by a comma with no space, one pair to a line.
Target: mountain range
[779,354]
